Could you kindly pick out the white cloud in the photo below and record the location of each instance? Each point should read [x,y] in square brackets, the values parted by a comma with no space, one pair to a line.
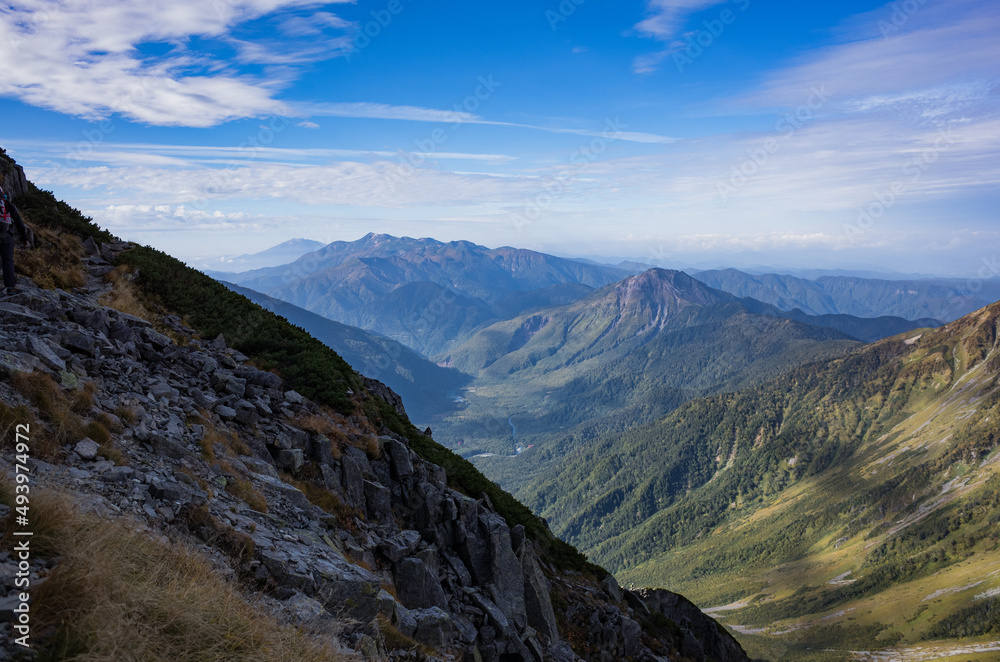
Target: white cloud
[385,112]
[380,184]
[63,155]
[84,58]
[309,125]
[944,54]
[665,20]
[666,17]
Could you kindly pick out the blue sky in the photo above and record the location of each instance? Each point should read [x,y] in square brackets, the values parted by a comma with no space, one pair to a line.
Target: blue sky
[679,132]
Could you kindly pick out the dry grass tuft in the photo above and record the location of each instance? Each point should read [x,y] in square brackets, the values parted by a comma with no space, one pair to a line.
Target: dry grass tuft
[371,448]
[319,424]
[244,490]
[126,415]
[111,424]
[55,261]
[326,424]
[120,595]
[10,418]
[82,399]
[236,483]
[347,517]
[238,546]
[396,640]
[97,432]
[58,410]
[229,440]
[125,296]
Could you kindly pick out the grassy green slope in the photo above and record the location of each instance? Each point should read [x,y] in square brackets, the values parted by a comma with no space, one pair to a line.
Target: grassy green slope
[883,464]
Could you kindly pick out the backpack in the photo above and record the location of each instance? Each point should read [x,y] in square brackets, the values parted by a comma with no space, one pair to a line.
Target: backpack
[4,215]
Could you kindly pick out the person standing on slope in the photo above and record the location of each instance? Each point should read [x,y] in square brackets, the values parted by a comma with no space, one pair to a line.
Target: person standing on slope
[10,220]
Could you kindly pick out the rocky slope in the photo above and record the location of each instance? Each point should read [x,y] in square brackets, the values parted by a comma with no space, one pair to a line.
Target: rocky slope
[325,517]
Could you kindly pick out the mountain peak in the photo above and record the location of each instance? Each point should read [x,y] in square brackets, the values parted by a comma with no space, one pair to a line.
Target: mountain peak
[667,287]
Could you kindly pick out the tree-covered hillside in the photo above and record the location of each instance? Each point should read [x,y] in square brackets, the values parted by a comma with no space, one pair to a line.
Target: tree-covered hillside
[631,352]
[847,486]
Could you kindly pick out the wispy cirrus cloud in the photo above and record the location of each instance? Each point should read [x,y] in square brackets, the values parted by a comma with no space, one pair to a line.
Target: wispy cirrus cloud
[384,184]
[664,22]
[666,17]
[61,155]
[87,58]
[945,54]
[417,114]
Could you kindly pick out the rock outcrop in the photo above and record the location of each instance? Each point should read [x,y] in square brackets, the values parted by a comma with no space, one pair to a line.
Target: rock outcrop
[13,179]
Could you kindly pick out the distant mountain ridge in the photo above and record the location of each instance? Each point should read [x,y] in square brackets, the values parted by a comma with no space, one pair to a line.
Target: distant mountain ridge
[942,299]
[424,293]
[283,253]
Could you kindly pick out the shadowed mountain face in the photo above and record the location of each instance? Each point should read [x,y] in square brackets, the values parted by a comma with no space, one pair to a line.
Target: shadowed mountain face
[932,298]
[426,388]
[424,293]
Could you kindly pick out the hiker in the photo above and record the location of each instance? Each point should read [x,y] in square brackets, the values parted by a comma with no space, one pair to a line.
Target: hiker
[10,220]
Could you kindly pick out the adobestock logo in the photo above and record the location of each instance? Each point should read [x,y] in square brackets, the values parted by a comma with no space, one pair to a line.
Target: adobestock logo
[372,29]
[701,40]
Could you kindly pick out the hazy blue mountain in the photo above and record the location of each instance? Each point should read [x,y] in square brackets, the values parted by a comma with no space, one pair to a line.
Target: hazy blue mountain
[427,389]
[942,299]
[425,293]
[283,253]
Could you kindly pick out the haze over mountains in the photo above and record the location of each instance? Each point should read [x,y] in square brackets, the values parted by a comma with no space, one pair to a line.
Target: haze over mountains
[421,292]
[937,298]
[534,333]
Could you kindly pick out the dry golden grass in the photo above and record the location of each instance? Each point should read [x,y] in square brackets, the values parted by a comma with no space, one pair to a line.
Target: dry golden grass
[245,491]
[58,410]
[326,424]
[239,486]
[347,517]
[119,595]
[228,439]
[396,640]
[10,418]
[126,415]
[55,261]
[125,296]
[98,431]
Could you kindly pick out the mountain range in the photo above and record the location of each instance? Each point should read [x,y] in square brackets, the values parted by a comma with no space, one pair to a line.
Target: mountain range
[489,313]
[633,351]
[935,298]
[818,472]
[426,294]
